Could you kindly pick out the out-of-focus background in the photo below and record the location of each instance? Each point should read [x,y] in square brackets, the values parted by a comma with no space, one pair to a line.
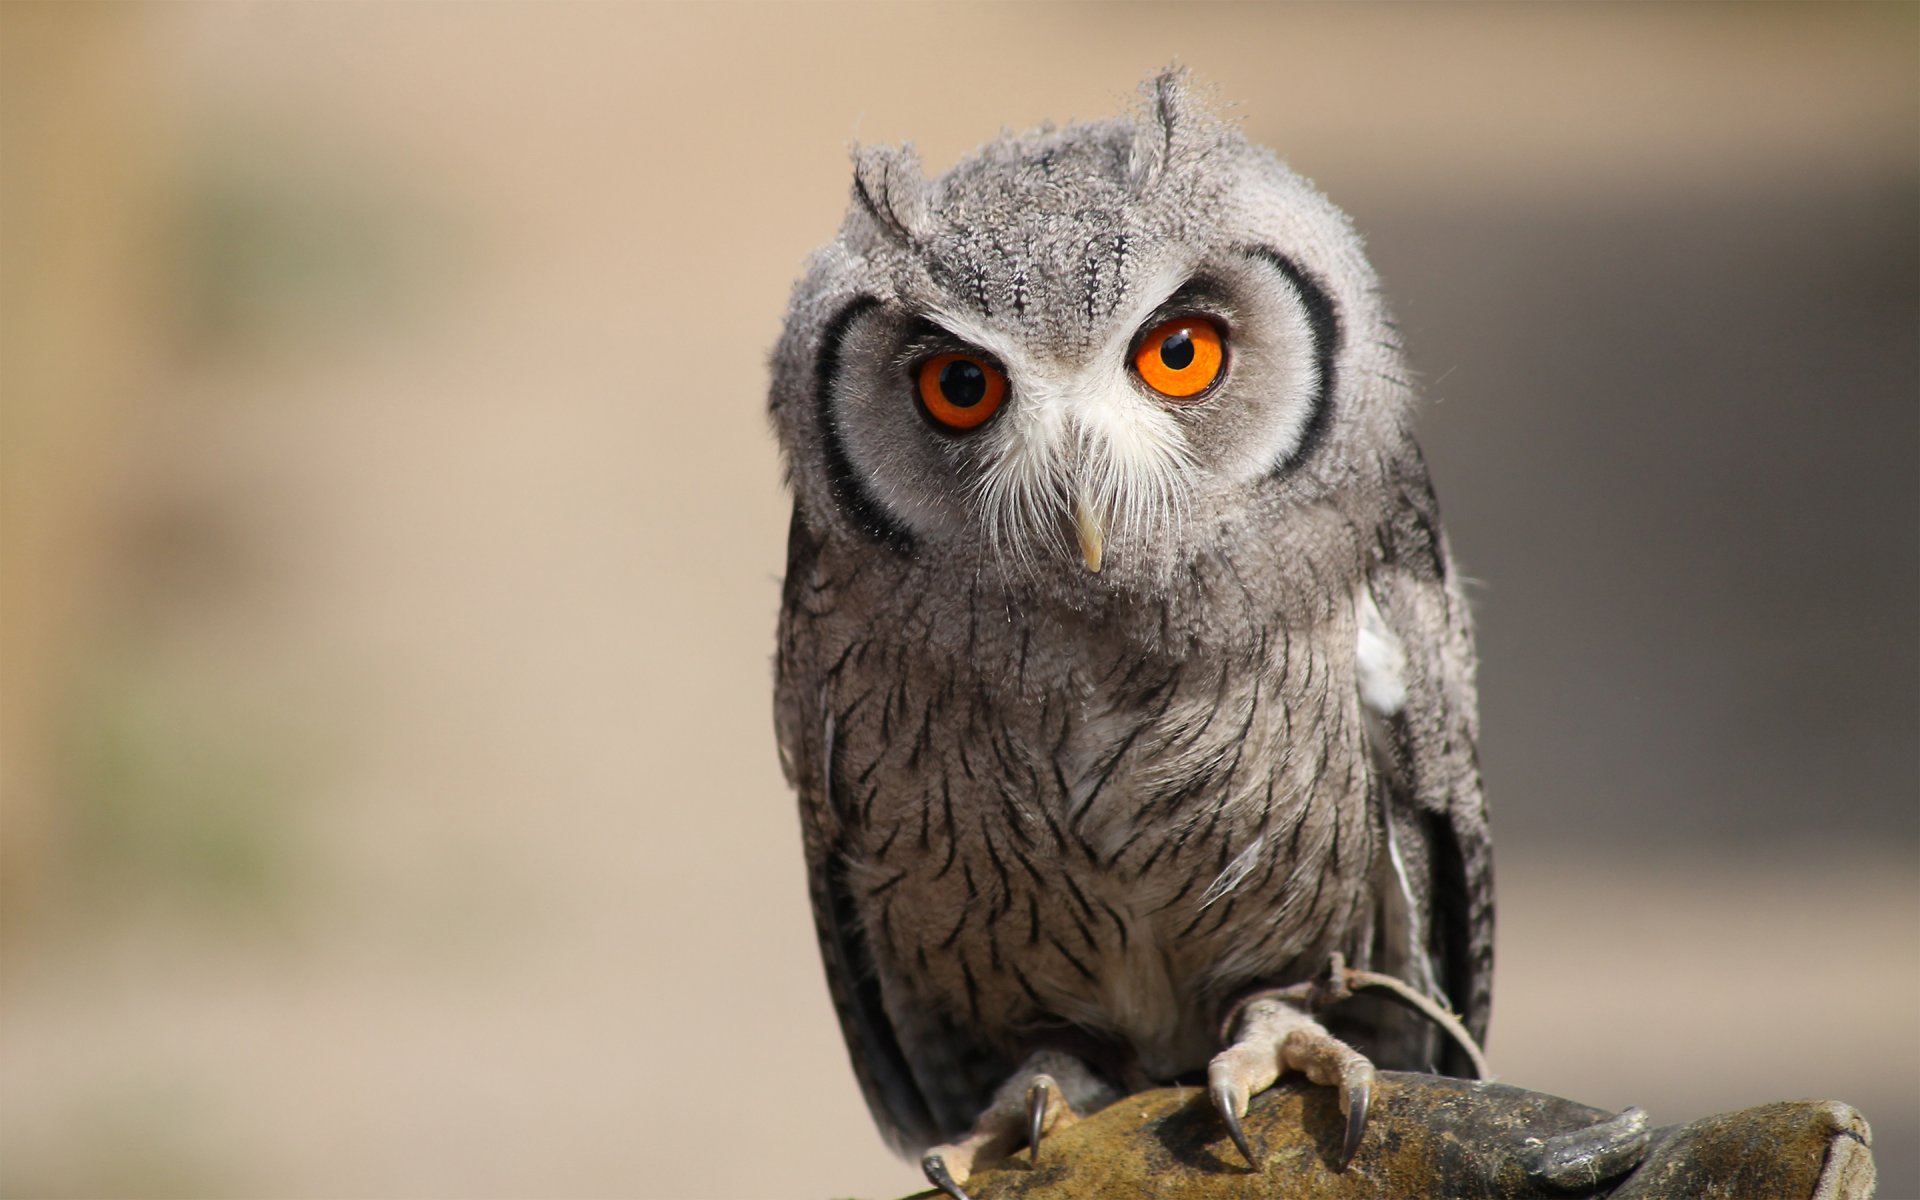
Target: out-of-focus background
[392,537]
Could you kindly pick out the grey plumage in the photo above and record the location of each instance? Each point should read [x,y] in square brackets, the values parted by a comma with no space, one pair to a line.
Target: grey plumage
[1048,808]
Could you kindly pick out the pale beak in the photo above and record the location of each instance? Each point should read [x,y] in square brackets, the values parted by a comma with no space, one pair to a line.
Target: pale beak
[1093,535]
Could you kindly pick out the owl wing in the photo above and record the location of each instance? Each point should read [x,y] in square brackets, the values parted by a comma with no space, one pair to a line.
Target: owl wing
[1417,659]
[806,736]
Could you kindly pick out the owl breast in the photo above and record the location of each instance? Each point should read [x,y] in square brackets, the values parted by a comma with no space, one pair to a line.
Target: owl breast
[1109,834]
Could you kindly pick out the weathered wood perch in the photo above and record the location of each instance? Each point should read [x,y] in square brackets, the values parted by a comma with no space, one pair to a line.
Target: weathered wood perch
[1431,1136]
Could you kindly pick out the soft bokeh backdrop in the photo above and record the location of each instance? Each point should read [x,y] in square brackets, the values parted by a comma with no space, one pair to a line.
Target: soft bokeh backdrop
[392,537]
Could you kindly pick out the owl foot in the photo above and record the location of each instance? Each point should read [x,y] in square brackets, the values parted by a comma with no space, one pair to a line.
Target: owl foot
[1271,1036]
[1041,1108]
[1030,1105]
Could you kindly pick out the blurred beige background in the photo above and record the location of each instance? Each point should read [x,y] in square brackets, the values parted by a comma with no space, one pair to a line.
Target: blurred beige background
[392,535]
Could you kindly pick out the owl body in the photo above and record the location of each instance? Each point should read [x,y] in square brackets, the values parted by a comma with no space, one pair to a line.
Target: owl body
[1113,704]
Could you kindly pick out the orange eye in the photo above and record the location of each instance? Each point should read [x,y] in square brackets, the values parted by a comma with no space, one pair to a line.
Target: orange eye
[1181,358]
[960,391]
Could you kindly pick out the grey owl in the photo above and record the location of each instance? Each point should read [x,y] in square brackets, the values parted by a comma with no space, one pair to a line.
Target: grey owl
[1123,674]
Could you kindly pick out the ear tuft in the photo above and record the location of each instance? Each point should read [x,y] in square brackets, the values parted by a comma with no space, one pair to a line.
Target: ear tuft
[889,186]
[1165,119]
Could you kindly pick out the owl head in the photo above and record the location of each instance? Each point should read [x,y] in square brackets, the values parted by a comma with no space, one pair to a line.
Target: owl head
[1088,355]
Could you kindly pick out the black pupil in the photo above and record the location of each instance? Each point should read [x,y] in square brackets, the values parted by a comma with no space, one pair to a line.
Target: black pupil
[1177,351]
[963,383]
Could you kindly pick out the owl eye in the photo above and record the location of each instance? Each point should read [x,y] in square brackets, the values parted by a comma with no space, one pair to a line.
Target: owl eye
[1181,358]
[960,391]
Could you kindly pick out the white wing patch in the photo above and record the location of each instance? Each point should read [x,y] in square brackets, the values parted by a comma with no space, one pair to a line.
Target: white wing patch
[1381,663]
[1399,867]
[1405,951]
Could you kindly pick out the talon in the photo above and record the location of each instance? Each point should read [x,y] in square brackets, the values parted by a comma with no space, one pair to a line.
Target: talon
[1039,1092]
[1226,1102]
[1356,1101]
[937,1174]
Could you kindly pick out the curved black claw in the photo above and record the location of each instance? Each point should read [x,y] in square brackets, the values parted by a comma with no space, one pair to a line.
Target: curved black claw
[1038,1095]
[1223,1101]
[937,1174]
[1359,1099]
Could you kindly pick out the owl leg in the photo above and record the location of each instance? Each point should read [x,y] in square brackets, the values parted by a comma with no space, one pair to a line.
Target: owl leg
[1271,1036]
[1042,1096]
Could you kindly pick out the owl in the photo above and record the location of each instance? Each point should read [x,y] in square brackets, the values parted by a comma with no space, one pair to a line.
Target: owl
[1123,675]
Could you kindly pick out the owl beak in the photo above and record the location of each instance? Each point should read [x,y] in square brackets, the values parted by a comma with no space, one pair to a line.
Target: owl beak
[1092,531]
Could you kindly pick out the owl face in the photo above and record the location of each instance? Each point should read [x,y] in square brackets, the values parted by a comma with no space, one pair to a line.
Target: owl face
[1086,355]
